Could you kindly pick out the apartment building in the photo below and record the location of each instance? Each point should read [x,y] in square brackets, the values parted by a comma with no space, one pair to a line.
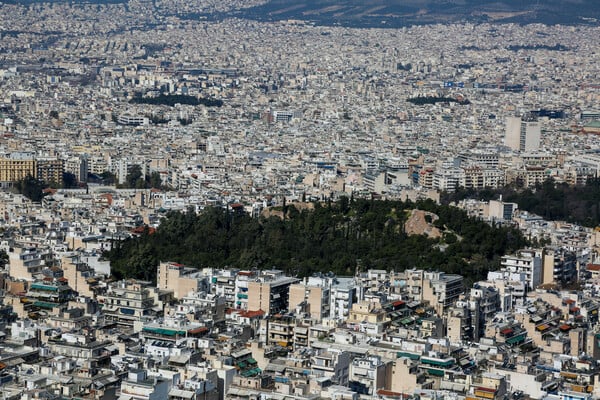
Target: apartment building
[16,166]
[180,279]
[270,292]
[526,262]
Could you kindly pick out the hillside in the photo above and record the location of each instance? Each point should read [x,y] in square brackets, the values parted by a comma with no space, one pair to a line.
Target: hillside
[553,201]
[385,13]
[335,237]
[397,13]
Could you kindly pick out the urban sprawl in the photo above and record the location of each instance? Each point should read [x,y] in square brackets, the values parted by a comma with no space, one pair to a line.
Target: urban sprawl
[129,110]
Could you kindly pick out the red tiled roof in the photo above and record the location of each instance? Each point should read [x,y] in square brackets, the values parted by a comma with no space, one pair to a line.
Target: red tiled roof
[593,267]
[252,314]
[201,329]
[564,327]
[485,389]
[397,303]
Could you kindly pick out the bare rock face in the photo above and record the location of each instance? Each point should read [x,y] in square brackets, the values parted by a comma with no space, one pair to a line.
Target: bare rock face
[420,223]
[278,212]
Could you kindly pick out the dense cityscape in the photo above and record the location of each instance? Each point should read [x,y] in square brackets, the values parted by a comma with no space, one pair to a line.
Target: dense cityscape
[122,121]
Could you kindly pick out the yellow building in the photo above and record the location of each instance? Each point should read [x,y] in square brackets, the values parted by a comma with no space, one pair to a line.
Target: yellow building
[270,292]
[13,169]
[367,317]
[312,300]
[79,275]
[179,279]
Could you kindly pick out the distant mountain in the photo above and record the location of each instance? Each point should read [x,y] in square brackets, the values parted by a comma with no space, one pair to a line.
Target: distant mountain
[396,13]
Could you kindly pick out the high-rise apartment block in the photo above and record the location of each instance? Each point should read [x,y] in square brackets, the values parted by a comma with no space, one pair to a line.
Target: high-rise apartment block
[523,133]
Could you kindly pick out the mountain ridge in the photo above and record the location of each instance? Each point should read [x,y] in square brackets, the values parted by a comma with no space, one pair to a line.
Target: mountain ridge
[397,13]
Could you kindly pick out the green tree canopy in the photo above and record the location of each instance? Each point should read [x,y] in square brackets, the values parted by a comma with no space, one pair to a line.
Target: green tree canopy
[323,239]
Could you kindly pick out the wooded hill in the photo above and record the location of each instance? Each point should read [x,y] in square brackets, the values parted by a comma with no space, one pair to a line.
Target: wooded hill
[553,201]
[332,237]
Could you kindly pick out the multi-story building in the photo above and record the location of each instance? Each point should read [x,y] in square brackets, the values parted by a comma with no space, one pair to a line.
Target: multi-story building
[523,133]
[558,266]
[332,363]
[478,177]
[448,179]
[50,170]
[241,288]
[270,292]
[501,211]
[49,295]
[181,280]
[79,275]
[441,290]
[138,385]
[84,349]
[17,166]
[127,302]
[525,262]
[368,374]
[367,317]
[26,263]
[343,294]
[312,300]
[483,303]
[78,166]
[280,330]
[224,284]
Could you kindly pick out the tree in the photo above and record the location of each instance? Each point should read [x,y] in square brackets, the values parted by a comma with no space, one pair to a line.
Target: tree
[69,180]
[108,178]
[30,187]
[154,180]
[3,258]
[324,239]
[134,176]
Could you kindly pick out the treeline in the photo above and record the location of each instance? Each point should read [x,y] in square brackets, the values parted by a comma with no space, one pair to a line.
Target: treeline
[172,99]
[422,100]
[334,237]
[553,201]
[556,47]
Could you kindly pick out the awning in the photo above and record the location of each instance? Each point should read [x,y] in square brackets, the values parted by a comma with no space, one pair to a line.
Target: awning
[517,338]
[506,331]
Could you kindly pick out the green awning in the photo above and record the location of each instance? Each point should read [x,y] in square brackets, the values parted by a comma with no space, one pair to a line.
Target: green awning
[251,372]
[517,338]
[412,356]
[435,372]
[45,304]
[251,361]
[163,331]
[40,286]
